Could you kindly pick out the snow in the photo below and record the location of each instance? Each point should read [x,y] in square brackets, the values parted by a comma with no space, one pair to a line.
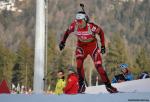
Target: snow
[141,85]
[118,97]
[138,91]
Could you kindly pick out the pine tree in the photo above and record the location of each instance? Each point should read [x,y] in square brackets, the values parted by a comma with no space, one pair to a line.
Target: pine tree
[116,54]
[23,69]
[142,61]
[6,63]
[57,59]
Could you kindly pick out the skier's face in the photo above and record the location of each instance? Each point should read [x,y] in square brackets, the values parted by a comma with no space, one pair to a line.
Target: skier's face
[81,23]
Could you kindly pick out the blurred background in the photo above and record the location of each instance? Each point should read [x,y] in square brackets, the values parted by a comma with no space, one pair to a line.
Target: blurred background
[125,23]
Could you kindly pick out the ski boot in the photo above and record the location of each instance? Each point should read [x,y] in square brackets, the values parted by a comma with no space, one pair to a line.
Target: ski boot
[110,88]
[81,87]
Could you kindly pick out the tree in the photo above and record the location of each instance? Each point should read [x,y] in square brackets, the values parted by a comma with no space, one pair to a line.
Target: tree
[116,54]
[23,69]
[57,59]
[142,61]
[6,63]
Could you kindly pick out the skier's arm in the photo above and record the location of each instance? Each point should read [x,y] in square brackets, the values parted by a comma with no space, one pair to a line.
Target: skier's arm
[100,32]
[97,30]
[65,36]
[68,31]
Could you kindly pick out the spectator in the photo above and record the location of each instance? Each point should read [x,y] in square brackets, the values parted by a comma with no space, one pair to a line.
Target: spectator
[126,75]
[60,83]
[72,85]
[144,75]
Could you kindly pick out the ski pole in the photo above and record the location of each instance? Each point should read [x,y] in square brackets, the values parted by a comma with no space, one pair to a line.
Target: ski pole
[82,6]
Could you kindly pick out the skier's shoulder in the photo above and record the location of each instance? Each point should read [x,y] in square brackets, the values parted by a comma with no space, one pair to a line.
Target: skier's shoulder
[72,25]
[92,24]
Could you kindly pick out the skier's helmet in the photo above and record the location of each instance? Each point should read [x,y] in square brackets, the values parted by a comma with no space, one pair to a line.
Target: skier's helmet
[81,15]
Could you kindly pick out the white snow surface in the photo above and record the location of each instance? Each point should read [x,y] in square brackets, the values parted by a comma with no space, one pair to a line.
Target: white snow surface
[135,91]
[141,85]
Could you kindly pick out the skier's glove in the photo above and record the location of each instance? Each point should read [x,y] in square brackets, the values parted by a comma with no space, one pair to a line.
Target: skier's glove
[61,45]
[102,49]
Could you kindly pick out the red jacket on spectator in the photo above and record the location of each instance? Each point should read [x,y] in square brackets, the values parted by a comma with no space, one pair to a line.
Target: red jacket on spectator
[72,84]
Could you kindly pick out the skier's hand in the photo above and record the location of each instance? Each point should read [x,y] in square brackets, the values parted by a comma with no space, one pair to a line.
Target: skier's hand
[61,45]
[103,49]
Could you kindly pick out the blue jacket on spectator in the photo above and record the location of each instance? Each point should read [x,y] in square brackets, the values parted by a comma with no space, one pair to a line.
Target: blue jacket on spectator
[125,76]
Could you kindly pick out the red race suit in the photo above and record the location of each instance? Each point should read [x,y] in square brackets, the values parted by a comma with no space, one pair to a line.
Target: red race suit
[87,45]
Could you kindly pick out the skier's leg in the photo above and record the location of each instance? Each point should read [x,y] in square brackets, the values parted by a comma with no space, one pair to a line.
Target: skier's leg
[96,56]
[80,70]
[98,64]
[81,75]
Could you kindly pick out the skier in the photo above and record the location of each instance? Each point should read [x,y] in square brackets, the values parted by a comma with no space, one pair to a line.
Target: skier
[87,44]
[60,83]
[72,83]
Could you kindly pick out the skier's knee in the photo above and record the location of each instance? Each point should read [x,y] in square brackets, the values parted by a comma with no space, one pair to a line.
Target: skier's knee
[100,69]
